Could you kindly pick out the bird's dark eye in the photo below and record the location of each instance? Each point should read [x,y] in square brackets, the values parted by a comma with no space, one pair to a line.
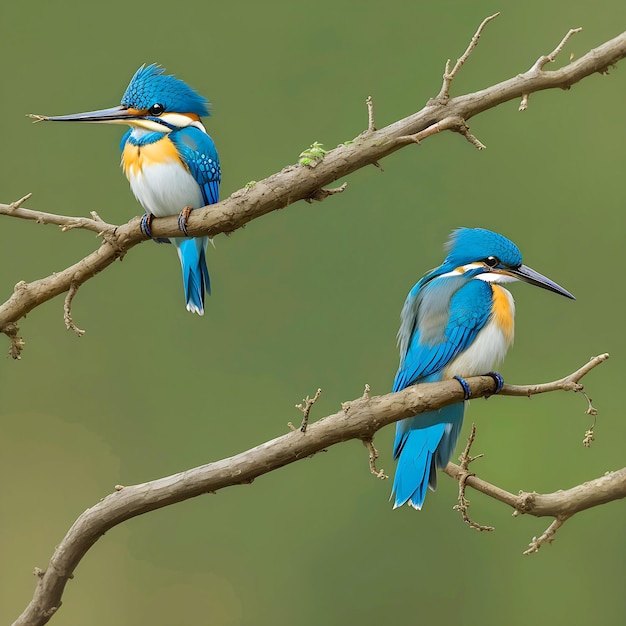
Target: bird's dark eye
[156,109]
[491,261]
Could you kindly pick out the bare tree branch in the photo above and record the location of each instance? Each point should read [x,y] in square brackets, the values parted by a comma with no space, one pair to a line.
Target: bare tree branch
[301,182]
[577,499]
[95,224]
[561,504]
[568,383]
[358,419]
[463,476]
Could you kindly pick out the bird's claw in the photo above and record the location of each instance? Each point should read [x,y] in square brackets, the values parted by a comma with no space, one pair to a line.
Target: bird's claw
[146,222]
[467,392]
[183,218]
[497,378]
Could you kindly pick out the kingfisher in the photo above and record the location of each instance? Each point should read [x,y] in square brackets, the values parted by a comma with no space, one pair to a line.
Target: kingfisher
[456,321]
[170,161]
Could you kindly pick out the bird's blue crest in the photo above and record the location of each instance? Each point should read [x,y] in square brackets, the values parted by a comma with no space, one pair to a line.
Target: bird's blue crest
[467,245]
[150,85]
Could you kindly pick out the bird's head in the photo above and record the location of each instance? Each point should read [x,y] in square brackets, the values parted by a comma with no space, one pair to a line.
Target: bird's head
[491,257]
[153,100]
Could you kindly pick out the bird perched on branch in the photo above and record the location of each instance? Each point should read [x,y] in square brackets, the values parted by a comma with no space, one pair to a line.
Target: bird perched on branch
[456,321]
[169,159]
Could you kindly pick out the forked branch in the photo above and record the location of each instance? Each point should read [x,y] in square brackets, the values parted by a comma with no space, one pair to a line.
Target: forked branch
[358,419]
[561,505]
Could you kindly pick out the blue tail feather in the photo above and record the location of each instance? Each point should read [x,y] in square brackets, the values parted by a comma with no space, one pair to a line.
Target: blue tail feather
[196,281]
[424,443]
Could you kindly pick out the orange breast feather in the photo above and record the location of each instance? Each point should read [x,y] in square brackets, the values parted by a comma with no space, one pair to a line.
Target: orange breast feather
[135,158]
[502,311]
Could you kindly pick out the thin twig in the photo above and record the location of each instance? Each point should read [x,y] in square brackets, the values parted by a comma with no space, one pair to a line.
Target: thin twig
[542,61]
[546,537]
[305,407]
[66,222]
[67,310]
[452,122]
[373,455]
[591,410]
[368,442]
[567,383]
[449,74]
[465,131]
[463,504]
[589,435]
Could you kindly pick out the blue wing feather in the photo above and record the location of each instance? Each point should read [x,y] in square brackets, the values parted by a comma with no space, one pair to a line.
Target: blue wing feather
[199,154]
[469,310]
[426,442]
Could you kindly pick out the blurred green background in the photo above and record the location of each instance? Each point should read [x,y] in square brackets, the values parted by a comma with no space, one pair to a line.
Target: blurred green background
[307,297]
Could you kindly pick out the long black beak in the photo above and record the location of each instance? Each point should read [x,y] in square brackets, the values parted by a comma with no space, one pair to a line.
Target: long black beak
[528,275]
[112,116]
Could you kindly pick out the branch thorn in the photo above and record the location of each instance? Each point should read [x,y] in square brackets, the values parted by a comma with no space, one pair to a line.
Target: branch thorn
[18,203]
[366,392]
[370,115]
[321,194]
